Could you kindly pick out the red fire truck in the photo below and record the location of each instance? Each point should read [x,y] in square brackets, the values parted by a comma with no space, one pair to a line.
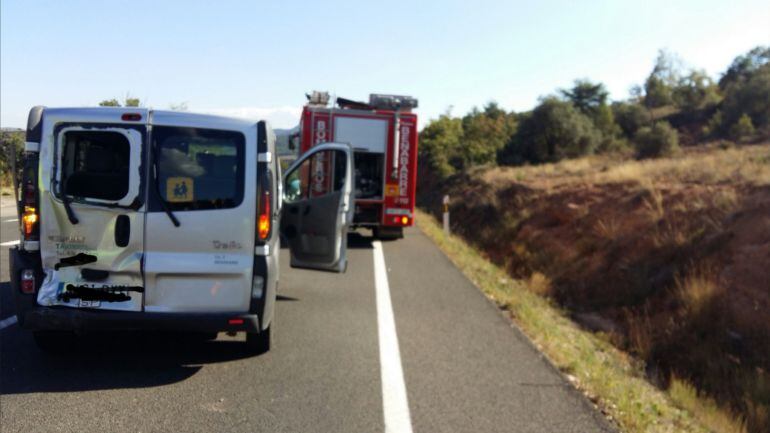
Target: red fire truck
[383,134]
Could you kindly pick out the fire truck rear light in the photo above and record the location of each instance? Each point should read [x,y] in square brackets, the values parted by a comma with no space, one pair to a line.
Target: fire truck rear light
[404,220]
[235,321]
[131,117]
[28,281]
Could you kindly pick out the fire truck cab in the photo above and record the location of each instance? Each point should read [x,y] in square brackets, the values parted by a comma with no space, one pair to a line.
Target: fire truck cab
[383,135]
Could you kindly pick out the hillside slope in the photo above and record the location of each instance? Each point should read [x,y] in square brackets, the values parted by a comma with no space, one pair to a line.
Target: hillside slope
[667,258]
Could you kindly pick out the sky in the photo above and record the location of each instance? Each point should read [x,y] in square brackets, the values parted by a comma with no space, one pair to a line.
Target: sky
[257,59]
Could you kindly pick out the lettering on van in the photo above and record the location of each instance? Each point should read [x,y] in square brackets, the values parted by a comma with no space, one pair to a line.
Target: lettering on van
[223,259]
[231,245]
[68,245]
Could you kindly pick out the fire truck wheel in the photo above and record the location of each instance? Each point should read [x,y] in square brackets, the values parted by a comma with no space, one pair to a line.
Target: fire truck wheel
[388,233]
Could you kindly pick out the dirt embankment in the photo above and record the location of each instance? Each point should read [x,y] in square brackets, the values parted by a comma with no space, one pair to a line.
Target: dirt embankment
[670,260]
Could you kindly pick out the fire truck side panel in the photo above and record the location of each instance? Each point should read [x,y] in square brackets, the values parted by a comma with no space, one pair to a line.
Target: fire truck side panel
[400,190]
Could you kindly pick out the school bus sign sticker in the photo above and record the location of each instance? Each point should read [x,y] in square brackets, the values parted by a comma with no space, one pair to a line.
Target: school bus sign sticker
[179,189]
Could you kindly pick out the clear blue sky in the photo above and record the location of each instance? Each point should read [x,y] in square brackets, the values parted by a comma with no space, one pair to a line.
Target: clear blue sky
[258,58]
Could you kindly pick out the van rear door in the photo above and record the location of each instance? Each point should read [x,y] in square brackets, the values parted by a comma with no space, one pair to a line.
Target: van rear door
[318,207]
[92,207]
[201,166]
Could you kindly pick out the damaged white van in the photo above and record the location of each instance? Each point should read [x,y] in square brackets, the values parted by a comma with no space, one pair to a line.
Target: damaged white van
[135,219]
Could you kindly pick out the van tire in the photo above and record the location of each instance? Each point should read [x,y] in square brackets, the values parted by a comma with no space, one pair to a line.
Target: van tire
[258,343]
[54,342]
[388,233]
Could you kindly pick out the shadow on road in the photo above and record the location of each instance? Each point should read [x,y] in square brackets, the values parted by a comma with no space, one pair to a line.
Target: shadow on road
[358,241]
[107,361]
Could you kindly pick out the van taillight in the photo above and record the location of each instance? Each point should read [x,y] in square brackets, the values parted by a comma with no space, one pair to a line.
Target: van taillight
[28,281]
[29,218]
[263,216]
[29,221]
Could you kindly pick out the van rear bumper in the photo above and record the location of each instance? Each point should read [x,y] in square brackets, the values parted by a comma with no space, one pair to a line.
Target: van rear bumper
[69,319]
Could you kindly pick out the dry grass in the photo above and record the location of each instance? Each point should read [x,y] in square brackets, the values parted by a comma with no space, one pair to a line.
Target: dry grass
[748,164]
[698,292]
[702,408]
[609,377]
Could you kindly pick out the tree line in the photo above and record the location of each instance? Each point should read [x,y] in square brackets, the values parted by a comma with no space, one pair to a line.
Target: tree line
[672,106]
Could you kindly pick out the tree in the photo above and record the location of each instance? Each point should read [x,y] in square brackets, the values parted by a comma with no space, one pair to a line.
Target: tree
[749,95]
[484,133]
[181,106]
[664,77]
[655,141]
[591,99]
[554,130]
[694,91]
[110,103]
[11,147]
[586,96]
[630,117]
[440,150]
[128,102]
[744,66]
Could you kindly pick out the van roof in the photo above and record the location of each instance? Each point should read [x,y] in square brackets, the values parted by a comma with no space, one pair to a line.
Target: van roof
[110,113]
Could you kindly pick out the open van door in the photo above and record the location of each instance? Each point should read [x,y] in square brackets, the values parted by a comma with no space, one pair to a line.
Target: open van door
[318,207]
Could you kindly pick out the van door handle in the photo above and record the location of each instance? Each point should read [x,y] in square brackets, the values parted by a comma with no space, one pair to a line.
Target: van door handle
[122,230]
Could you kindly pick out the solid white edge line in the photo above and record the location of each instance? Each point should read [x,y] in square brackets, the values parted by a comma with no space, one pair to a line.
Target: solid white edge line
[7,322]
[12,220]
[10,243]
[395,406]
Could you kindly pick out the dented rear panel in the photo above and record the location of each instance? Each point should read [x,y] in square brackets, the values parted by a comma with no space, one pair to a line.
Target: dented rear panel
[93,162]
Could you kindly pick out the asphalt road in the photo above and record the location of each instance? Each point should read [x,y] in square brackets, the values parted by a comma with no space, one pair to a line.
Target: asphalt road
[463,367]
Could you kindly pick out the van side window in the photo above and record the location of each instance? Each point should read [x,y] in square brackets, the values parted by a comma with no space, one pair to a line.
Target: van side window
[198,168]
[321,174]
[95,164]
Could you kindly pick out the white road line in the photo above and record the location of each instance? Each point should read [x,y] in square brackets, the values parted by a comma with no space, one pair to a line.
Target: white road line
[7,322]
[12,220]
[9,243]
[395,406]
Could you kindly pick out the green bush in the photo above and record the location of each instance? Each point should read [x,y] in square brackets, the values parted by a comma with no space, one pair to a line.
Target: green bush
[554,130]
[630,117]
[656,141]
[742,130]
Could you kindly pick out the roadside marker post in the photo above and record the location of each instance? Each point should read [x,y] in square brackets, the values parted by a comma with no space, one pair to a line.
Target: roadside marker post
[446,214]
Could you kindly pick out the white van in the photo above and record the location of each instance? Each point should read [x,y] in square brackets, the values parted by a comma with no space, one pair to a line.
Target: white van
[141,219]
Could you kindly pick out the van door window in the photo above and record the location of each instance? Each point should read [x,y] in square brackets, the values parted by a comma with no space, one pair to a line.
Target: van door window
[95,164]
[199,169]
[319,175]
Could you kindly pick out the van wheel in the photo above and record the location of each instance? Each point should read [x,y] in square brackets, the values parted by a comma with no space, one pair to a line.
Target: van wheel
[258,343]
[388,233]
[54,342]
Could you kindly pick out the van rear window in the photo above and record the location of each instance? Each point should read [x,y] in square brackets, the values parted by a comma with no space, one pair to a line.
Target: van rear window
[95,164]
[199,169]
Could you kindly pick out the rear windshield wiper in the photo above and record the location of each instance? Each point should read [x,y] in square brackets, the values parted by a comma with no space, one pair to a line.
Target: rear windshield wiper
[163,203]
